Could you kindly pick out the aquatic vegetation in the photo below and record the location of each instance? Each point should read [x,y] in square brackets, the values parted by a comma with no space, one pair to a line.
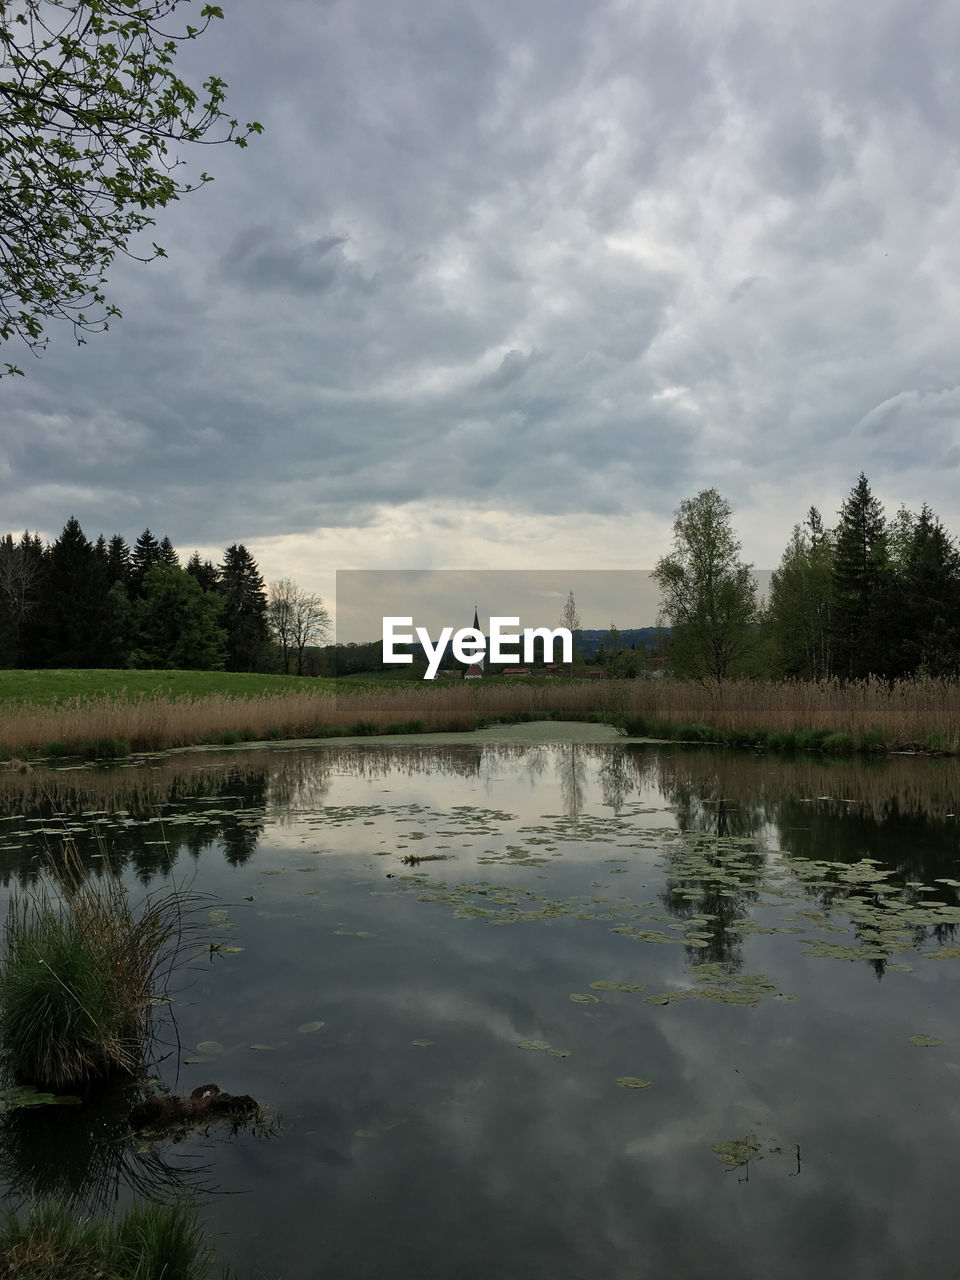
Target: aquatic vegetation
[700,908]
[150,1242]
[545,1047]
[26,1096]
[925,1042]
[80,971]
[738,1151]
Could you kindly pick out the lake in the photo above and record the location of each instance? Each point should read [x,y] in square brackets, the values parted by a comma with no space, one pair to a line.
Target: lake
[639,1011]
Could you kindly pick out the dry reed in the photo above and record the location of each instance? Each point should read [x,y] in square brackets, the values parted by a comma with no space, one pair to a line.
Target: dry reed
[902,713]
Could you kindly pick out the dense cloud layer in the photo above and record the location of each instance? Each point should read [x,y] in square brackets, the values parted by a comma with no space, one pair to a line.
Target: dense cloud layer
[501,283]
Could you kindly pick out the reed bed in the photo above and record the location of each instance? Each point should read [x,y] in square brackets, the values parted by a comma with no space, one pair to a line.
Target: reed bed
[906,713]
[153,724]
[887,716]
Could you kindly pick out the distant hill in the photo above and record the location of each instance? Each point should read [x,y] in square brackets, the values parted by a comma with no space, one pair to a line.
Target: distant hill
[590,640]
[630,637]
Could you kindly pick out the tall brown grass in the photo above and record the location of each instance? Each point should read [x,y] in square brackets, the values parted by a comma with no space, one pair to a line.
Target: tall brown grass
[904,713]
[152,724]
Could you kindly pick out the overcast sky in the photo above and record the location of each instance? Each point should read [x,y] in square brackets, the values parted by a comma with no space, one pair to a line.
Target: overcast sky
[503,282]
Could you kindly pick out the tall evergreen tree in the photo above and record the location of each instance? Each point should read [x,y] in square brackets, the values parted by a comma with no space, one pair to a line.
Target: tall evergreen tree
[860,579]
[205,572]
[245,609]
[74,604]
[927,601]
[119,563]
[146,554]
[168,554]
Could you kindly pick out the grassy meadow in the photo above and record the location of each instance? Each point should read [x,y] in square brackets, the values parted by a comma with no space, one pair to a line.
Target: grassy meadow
[103,714]
[45,688]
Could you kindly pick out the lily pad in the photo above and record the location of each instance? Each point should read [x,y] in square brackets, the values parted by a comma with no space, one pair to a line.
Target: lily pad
[633,1082]
[421,1044]
[545,1047]
[210,1048]
[925,1042]
[579,998]
[738,1151]
[311,1026]
[26,1096]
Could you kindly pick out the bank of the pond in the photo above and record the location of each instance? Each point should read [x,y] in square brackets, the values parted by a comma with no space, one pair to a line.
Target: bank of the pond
[870,716]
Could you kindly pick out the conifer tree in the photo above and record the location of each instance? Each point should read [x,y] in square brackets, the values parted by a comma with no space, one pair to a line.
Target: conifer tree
[927,603]
[74,602]
[119,563]
[245,609]
[146,555]
[860,581]
[205,572]
[168,554]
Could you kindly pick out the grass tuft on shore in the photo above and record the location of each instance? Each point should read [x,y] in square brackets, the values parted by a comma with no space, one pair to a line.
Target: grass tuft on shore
[79,968]
[150,1242]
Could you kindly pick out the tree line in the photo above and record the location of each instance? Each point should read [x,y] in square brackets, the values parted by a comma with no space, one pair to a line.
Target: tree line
[77,603]
[870,596]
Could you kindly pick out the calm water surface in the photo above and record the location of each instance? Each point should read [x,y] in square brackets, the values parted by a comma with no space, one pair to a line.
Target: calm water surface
[783,928]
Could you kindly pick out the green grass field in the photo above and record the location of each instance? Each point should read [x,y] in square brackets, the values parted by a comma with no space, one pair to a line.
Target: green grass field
[46,688]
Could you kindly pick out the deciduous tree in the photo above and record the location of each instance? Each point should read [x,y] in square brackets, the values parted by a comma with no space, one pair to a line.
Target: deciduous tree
[570,618]
[801,593]
[707,594]
[297,619]
[91,116]
[177,623]
[21,581]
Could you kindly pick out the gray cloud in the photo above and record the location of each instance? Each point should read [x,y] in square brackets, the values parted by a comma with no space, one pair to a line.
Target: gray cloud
[573,262]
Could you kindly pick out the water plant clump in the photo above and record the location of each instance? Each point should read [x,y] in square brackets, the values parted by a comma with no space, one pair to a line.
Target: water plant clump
[150,1242]
[80,970]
